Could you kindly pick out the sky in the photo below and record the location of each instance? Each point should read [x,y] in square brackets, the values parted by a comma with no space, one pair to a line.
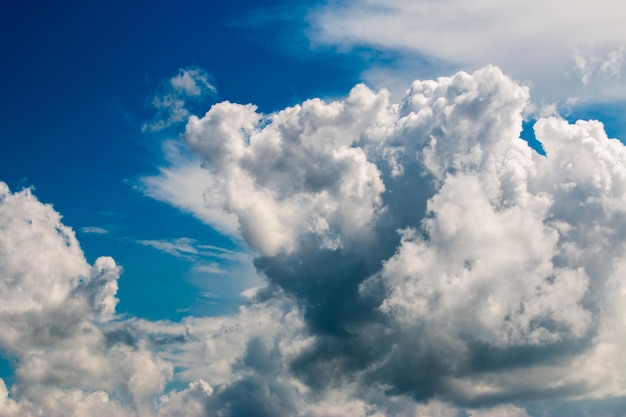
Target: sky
[321,208]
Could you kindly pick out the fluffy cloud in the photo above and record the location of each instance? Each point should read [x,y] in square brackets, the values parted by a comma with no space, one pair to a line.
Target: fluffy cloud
[54,312]
[432,252]
[297,175]
[421,260]
[563,51]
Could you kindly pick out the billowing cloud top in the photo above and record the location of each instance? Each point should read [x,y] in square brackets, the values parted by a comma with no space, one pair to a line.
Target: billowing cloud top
[421,259]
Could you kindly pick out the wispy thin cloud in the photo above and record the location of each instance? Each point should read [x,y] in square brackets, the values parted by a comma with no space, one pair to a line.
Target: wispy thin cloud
[209,268]
[524,37]
[191,250]
[189,86]
[94,230]
[181,248]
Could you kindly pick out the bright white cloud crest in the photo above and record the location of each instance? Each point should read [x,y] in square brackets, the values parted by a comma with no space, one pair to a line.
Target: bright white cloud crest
[421,259]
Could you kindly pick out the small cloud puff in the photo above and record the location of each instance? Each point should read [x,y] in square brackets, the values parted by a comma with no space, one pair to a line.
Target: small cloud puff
[190,85]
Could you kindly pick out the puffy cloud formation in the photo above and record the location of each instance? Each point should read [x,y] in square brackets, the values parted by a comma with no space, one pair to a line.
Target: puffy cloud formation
[563,51]
[421,260]
[54,315]
[298,175]
[432,252]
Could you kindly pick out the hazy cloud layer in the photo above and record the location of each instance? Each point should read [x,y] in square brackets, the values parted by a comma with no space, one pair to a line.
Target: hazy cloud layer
[421,260]
[563,51]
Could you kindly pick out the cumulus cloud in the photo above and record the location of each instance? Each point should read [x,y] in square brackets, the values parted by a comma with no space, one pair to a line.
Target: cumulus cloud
[420,260]
[433,254]
[282,181]
[54,309]
[540,43]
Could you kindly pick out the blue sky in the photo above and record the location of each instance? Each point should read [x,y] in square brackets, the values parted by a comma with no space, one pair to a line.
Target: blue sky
[261,248]
[83,77]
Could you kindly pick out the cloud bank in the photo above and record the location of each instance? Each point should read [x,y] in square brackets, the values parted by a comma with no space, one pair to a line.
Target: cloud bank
[564,52]
[421,259]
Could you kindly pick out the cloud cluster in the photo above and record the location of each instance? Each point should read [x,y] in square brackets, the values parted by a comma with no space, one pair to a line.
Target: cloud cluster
[563,51]
[54,313]
[433,253]
[421,260]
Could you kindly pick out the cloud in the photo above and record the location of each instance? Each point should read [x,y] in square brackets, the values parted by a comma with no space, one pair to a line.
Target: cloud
[184,184]
[181,247]
[209,259]
[591,67]
[172,101]
[210,268]
[280,180]
[433,254]
[53,310]
[420,259]
[562,51]
[94,230]
[190,249]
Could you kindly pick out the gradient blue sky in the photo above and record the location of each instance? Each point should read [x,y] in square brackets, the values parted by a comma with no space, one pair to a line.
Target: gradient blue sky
[79,77]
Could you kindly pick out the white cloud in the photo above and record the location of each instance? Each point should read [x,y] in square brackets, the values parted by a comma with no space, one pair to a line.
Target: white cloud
[187,186]
[420,259]
[189,402]
[535,41]
[500,411]
[283,177]
[94,230]
[209,268]
[53,307]
[181,248]
[192,82]
[192,250]
[495,288]
[9,406]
